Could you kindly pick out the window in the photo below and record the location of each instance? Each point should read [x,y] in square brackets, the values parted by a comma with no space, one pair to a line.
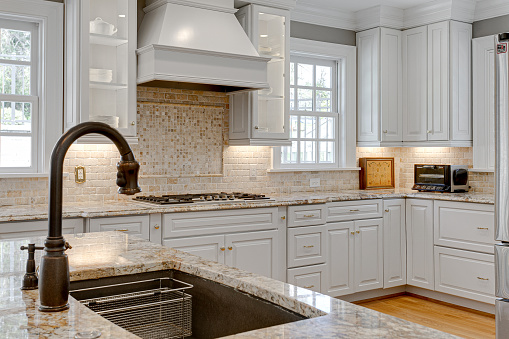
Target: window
[31,85]
[18,96]
[322,108]
[313,113]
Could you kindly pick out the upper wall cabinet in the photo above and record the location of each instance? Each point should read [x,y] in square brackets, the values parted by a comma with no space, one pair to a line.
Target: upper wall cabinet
[436,85]
[484,103]
[261,118]
[101,65]
[414,86]
[379,87]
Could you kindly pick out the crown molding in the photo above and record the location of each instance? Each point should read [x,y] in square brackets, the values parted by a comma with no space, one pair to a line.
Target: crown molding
[379,16]
[308,12]
[488,9]
[283,4]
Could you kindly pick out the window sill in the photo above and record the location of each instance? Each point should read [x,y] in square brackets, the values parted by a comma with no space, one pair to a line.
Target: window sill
[283,170]
[24,175]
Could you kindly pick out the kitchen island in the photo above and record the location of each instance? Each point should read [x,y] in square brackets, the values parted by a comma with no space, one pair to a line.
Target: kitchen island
[107,254]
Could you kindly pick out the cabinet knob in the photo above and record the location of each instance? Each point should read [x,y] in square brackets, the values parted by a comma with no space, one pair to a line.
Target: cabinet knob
[156,227]
[385,131]
[352,233]
[222,248]
[482,278]
[283,217]
[256,127]
[482,228]
[230,248]
[133,123]
[387,210]
[357,232]
[429,132]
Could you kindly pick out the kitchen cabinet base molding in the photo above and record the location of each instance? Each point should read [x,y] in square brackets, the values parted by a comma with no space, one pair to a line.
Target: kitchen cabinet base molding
[373,294]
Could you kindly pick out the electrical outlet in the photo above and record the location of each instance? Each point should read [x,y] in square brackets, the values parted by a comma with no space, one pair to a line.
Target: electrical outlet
[252,172]
[314,182]
[80,175]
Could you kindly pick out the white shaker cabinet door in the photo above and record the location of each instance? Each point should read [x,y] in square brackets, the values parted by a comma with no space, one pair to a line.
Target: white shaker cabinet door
[438,81]
[415,84]
[368,266]
[255,252]
[391,85]
[419,226]
[339,273]
[394,243]
[208,247]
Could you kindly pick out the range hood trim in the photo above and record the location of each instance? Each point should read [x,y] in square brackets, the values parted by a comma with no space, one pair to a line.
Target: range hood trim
[160,3]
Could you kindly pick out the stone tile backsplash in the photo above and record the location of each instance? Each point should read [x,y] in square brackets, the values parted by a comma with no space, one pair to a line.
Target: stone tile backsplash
[183,147]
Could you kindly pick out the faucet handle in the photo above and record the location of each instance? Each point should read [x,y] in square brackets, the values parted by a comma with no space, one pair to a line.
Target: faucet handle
[30,280]
[67,246]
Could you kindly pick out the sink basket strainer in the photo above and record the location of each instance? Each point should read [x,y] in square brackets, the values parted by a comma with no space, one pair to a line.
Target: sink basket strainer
[155,308]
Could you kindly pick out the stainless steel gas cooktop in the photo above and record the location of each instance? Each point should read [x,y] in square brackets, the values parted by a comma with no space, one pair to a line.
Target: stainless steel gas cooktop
[204,198]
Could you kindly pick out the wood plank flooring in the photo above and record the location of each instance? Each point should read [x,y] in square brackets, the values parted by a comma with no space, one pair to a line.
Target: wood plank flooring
[445,317]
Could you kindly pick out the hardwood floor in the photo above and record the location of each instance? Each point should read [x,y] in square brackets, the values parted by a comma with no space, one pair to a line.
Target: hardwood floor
[445,317]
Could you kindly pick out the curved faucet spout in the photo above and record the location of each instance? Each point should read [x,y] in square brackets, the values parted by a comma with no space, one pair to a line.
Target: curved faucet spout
[54,270]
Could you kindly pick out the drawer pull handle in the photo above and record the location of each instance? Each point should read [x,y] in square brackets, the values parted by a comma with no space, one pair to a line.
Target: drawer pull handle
[482,278]
[123,230]
[222,249]
[310,286]
[482,228]
[308,215]
[156,227]
[230,248]
[358,232]
[354,210]
[310,246]
[352,232]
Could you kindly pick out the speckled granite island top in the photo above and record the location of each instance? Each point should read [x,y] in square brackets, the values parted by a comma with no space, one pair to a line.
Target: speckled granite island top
[105,254]
[93,210]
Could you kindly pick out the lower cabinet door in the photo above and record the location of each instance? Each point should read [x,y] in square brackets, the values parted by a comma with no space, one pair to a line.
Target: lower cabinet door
[339,272]
[465,274]
[209,247]
[394,243]
[254,252]
[369,254]
[310,277]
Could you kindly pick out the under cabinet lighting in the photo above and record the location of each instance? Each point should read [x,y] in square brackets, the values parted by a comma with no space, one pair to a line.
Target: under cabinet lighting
[121,15]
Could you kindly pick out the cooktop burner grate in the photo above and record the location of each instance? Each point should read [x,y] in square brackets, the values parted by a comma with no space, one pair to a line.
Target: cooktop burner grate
[201,197]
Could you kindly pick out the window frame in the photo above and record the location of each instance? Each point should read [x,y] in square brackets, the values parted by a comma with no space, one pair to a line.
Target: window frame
[346,76]
[49,16]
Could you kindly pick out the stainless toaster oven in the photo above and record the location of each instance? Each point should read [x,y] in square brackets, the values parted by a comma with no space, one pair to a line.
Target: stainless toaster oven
[441,178]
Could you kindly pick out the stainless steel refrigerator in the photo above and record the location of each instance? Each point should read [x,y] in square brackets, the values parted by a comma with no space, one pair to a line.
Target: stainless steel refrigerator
[502,185]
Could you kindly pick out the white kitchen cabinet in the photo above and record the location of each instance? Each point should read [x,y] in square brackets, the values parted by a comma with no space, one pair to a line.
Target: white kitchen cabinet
[379,87]
[254,252]
[354,257]
[415,83]
[466,274]
[137,225]
[483,66]
[394,243]
[306,246]
[419,230]
[100,70]
[436,85]
[251,239]
[261,118]
[310,277]
[37,228]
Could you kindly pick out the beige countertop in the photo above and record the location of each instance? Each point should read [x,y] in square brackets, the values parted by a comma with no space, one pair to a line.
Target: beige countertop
[94,256]
[92,210]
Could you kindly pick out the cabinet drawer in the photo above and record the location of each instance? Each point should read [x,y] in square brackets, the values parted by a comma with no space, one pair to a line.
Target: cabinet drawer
[306,246]
[466,274]
[37,228]
[464,225]
[306,215]
[310,277]
[135,225]
[214,222]
[353,210]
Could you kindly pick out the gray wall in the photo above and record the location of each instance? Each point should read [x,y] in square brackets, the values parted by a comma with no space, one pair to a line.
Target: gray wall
[322,33]
[491,26]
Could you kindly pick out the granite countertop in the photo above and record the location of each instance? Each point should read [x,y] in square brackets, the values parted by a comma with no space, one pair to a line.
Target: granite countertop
[105,254]
[92,210]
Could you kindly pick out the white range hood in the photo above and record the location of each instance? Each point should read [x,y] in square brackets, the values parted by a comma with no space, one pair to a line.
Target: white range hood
[197,44]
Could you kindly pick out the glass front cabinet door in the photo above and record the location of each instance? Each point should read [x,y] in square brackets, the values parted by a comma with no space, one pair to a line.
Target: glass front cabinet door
[101,63]
[261,118]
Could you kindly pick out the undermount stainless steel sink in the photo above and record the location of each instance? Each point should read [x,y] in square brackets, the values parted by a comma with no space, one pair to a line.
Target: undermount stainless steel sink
[159,304]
